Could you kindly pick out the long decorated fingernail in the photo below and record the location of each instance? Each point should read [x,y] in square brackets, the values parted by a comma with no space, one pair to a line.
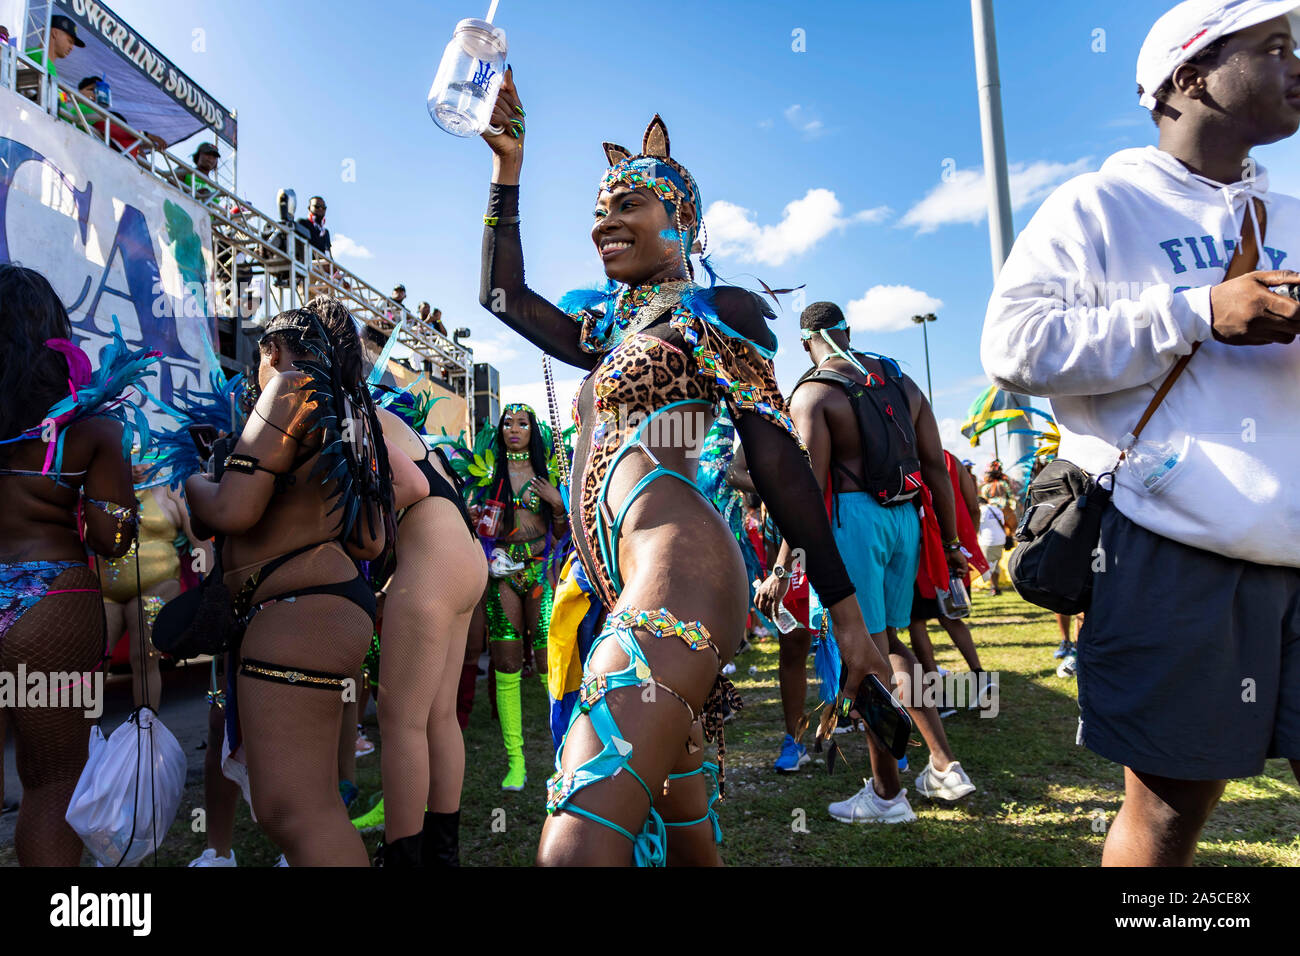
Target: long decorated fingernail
[520,111]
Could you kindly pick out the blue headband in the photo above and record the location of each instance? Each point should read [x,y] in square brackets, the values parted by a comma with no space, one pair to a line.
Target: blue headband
[806,334]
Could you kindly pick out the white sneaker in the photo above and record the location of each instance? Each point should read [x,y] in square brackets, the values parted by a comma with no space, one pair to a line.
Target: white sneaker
[952,784]
[1069,666]
[728,669]
[866,806]
[210,858]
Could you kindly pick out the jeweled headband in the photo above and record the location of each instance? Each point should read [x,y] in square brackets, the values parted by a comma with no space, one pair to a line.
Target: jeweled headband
[518,407]
[652,169]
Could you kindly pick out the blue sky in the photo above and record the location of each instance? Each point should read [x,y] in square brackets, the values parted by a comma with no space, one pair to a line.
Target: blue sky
[857,131]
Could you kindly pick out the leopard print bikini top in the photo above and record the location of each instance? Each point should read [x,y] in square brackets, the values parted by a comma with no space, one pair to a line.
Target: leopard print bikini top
[644,373]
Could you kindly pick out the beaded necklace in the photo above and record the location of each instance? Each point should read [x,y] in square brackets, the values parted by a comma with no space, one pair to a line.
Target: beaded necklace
[631,312]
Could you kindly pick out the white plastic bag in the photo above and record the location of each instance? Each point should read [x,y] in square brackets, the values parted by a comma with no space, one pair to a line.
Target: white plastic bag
[129,793]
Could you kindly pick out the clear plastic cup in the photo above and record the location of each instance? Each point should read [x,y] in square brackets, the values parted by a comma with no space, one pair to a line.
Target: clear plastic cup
[469,77]
[489,522]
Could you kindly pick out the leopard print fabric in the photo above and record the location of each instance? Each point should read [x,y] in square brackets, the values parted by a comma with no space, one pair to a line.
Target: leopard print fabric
[644,373]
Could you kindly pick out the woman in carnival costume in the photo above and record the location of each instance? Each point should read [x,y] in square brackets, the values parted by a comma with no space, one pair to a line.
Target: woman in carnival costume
[531,526]
[424,635]
[304,495]
[66,479]
[657,552]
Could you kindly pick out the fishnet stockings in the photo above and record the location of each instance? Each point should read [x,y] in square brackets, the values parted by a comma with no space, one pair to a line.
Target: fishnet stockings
[63,632]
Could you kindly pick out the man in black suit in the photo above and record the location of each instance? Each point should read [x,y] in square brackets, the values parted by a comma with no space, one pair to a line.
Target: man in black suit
[315,225]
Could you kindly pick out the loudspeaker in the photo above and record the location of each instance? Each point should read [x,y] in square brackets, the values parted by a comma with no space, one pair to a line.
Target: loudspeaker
[487,395]
[486,378]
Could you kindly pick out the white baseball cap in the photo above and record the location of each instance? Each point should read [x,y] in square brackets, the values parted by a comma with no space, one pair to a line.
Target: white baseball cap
[1193,25]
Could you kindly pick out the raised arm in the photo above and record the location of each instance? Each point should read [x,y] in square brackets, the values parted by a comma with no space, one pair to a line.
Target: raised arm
[272,437]
[502,290]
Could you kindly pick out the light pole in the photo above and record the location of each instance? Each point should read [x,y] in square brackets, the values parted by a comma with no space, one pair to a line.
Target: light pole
[921,320]
[988,83]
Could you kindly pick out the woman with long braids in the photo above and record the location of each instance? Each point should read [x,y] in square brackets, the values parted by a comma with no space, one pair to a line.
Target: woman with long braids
[532,521]
[304,495]
[663,356]
[63,493]
[425,629]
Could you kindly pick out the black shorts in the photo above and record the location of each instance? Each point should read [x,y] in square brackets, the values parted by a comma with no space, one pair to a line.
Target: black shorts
[1189,662]
[924,608]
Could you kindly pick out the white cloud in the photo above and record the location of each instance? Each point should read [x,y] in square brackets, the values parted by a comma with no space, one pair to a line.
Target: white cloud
[534,394]
[341,245]
[802,120]
[889,308]
[765,124]
[496,348]
[734,231]
[963,198]
[950,433]
[970,387]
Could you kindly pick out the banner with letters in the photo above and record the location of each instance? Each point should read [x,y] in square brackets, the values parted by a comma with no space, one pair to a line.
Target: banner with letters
[111,239]
[98,24]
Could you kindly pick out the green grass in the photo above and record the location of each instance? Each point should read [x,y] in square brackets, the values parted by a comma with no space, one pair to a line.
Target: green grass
[1042,801]
[1038,800]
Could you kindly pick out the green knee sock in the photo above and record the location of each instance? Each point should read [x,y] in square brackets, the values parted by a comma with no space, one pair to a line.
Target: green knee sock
[510,713]
[544,629]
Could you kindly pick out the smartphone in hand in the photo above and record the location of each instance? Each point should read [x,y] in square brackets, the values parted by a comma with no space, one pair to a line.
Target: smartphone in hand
[885,717]
[203,436]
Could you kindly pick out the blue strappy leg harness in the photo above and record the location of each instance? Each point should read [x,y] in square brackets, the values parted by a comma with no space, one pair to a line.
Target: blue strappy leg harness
[649,846]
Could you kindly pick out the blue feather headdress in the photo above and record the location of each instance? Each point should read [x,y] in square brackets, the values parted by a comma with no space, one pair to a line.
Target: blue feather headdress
[174,457]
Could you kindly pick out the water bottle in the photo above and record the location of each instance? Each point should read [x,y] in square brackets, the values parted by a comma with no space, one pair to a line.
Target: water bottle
[955,602]
[1151,461]
[103,92]
[785,621]
[470,75]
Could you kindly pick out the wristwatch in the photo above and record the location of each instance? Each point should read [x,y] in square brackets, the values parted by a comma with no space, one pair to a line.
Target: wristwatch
[780,573]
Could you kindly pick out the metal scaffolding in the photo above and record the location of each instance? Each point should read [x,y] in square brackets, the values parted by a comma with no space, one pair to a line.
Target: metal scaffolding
[262,264]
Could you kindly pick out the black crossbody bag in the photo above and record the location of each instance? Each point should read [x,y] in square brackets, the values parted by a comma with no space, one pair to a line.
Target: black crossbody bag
[202,619]
[1057,539]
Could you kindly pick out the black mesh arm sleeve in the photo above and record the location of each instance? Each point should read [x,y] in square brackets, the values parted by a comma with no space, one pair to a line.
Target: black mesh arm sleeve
[786,484]
[503,293]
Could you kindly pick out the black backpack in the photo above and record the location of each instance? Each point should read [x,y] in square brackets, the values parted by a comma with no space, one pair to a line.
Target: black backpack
[893,470]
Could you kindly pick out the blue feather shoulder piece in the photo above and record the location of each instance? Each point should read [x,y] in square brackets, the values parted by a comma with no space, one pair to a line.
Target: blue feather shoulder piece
[100,391]
[702,303]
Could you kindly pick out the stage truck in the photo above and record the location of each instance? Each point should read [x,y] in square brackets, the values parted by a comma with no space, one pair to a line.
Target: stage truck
[94,194]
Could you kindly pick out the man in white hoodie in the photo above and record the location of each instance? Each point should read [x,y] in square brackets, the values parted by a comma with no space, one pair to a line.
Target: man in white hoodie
[1189,662]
